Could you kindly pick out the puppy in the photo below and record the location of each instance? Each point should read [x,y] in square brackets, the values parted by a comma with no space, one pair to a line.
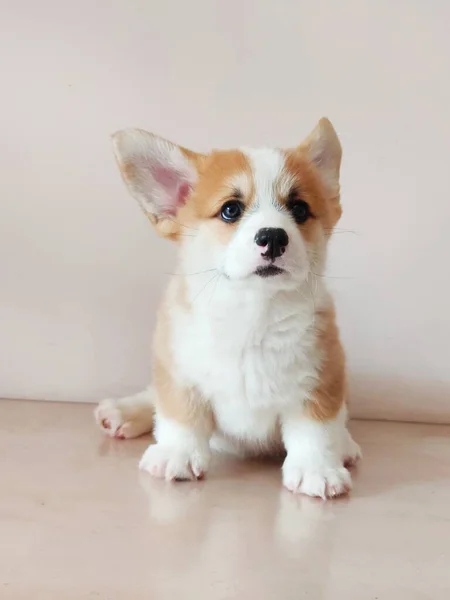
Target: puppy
[247,356]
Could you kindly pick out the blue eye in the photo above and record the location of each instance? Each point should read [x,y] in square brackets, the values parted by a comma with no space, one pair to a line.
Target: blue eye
[231,211]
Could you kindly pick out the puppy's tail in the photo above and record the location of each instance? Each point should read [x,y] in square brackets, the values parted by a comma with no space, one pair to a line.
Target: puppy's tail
[127,417]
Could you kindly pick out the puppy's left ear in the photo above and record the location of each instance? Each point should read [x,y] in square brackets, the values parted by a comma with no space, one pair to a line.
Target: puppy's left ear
[323,149]
[160,175]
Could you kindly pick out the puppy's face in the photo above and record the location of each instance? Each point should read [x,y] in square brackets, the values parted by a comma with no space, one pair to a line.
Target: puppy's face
[250,214]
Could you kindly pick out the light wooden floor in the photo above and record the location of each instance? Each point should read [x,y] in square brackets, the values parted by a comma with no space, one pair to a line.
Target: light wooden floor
[78,521]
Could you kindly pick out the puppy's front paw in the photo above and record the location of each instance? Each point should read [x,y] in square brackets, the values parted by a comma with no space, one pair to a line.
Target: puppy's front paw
[322,482]
[175,464]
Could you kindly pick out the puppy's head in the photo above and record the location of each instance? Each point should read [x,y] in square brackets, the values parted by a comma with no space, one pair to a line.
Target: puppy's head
[250,214]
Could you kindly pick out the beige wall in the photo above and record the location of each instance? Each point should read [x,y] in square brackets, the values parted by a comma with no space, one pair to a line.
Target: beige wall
[80,269]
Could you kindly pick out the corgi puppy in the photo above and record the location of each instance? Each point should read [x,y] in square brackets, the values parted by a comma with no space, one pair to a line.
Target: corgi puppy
[247,356]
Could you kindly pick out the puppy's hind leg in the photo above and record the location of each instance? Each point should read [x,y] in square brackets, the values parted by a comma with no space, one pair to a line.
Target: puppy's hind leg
[127,417]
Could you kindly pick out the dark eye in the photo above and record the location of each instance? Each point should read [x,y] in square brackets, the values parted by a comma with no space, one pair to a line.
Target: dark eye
[299,210]
[231,211]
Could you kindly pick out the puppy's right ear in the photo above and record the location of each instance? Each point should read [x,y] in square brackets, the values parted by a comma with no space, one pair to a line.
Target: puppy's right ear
[159,174]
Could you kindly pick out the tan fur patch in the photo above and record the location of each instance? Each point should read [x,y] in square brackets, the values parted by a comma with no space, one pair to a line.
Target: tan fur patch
[184,405]
[219,176]
[223,175]
[304,177]
[330,393]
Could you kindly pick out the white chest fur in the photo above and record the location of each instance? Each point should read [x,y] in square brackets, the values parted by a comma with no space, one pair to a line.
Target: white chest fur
[250,354]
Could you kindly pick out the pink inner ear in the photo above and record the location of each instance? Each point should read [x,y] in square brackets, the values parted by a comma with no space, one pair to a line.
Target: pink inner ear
[175,184]
[183,192]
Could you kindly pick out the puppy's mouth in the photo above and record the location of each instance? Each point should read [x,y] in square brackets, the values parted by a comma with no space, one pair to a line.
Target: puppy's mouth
[269,271]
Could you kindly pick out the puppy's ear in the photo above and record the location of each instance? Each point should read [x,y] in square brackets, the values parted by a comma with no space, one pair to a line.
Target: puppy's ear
[323,149]
[159,175]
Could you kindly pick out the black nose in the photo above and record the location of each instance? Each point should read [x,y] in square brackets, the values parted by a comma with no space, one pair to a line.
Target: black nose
[274,240]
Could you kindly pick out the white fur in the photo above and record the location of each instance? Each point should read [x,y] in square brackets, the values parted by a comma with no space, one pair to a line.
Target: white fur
[248,345]
[267,165]
[315,455]
[251,352]
[180,453]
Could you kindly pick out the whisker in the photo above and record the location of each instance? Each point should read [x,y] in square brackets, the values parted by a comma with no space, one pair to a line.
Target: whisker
[313,323]
[182,224]
[190,274]
[204,287]
[335,231]
[214,289]
[331,276]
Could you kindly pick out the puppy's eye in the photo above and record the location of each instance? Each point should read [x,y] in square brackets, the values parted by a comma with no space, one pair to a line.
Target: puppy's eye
[300,211]
[231,211]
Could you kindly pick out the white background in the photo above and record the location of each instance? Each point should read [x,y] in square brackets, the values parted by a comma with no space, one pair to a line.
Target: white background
[80,269]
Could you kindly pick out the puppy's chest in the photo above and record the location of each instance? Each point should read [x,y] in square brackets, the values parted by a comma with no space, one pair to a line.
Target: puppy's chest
[254,359]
